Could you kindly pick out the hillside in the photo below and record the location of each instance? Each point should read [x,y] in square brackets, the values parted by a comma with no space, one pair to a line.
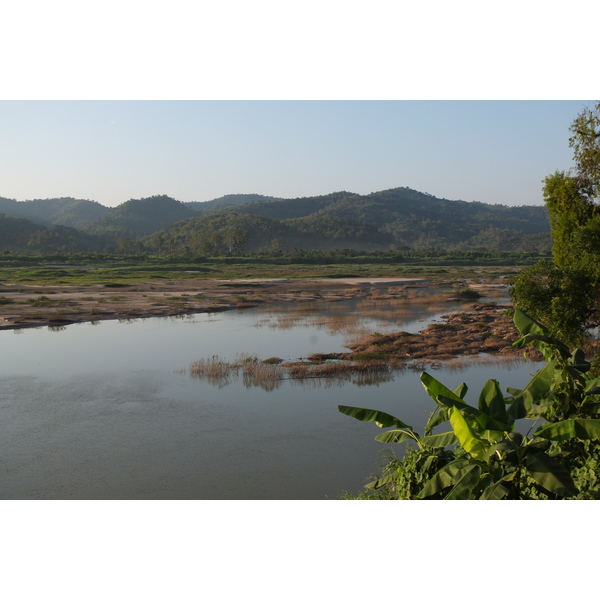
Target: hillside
[418,220]
[228,231]
[226,201]
[136,218]
[395,218]
[399,218]
[18,234]
[70,212]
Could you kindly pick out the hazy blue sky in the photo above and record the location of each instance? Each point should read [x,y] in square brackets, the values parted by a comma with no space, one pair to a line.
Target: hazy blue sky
[110,151]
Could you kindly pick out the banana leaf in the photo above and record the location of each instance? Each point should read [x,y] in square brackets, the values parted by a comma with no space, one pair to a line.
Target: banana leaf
[439,440]
[434,388]
[463,488]
[581,429]
[491,401]
[467,438]
[498,491]
[395,436]
[550,474]
[380,418]
[448,475]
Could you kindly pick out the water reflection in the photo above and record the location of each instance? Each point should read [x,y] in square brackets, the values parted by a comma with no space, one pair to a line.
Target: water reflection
[107,412]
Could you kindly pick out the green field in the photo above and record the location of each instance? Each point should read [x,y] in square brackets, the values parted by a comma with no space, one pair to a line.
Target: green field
[90,269]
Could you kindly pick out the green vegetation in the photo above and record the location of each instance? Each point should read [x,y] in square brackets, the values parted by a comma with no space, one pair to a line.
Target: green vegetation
[565,293]
[400,218]
[117,270]
[484,456]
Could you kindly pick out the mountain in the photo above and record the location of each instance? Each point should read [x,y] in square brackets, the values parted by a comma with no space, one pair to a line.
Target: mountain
[137,218]
[218,231]
[399,217]
[394,218]
[228,200]
[54,211]
[18,234]
[413,218]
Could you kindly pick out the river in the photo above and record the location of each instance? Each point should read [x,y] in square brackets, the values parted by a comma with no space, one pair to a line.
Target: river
[110,411]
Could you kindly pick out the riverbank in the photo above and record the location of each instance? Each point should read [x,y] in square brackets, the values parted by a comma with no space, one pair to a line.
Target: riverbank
[36,306]
[476,329]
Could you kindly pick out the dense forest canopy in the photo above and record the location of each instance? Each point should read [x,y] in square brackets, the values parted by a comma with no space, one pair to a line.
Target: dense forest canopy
[399,218]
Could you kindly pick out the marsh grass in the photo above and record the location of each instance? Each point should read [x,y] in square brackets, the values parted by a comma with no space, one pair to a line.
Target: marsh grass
[267,375]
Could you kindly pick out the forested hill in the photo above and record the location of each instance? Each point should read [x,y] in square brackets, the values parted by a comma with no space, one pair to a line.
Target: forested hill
[228,200]
[70,212]
[412,217]
[395,218]
[136,218]
[399,217]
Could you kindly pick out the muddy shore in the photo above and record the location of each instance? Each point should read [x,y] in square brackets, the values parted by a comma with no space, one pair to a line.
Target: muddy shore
[482,328]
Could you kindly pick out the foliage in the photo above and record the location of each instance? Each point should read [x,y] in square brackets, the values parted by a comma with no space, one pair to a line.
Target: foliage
[564,300]
[484,456]
[585,141]
[565,294]
[390,219]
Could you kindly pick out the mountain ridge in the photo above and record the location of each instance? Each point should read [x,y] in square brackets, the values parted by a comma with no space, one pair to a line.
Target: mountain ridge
[397,217]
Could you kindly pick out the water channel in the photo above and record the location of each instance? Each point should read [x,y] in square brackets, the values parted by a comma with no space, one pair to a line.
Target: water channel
[110,411]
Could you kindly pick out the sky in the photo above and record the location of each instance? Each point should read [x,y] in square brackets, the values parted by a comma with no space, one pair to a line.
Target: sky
[197,100]
[496,152]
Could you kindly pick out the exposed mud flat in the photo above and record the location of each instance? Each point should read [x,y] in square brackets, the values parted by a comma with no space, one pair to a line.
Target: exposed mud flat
[483,328]
[34,306]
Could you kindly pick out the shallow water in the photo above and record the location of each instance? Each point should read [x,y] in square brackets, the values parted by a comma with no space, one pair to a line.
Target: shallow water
[109,411]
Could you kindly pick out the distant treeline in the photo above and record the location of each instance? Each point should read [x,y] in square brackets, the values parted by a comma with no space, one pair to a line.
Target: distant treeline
[431,256]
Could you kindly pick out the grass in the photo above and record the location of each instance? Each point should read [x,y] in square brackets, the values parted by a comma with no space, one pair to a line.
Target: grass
[41,301]
[114,272]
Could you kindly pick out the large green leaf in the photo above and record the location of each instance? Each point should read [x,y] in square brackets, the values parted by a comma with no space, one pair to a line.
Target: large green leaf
[491,401]
[526,324]
[463,488]
[582,429]
[550,474]
[434,388]
[395,436]
[470,442]
[381,419]
[536,335]
[448,475]
[461,390]
[498,491]
[439,416]
[534,392]
[475,416]
[439,440]
[373,485]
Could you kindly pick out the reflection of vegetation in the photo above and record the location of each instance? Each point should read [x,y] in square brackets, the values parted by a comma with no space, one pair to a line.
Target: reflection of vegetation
[255,373]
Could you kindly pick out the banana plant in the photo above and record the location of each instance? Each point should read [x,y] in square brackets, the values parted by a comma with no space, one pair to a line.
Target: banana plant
[486,458]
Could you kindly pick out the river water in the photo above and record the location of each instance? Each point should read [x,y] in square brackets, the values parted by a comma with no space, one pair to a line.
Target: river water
[110,411]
